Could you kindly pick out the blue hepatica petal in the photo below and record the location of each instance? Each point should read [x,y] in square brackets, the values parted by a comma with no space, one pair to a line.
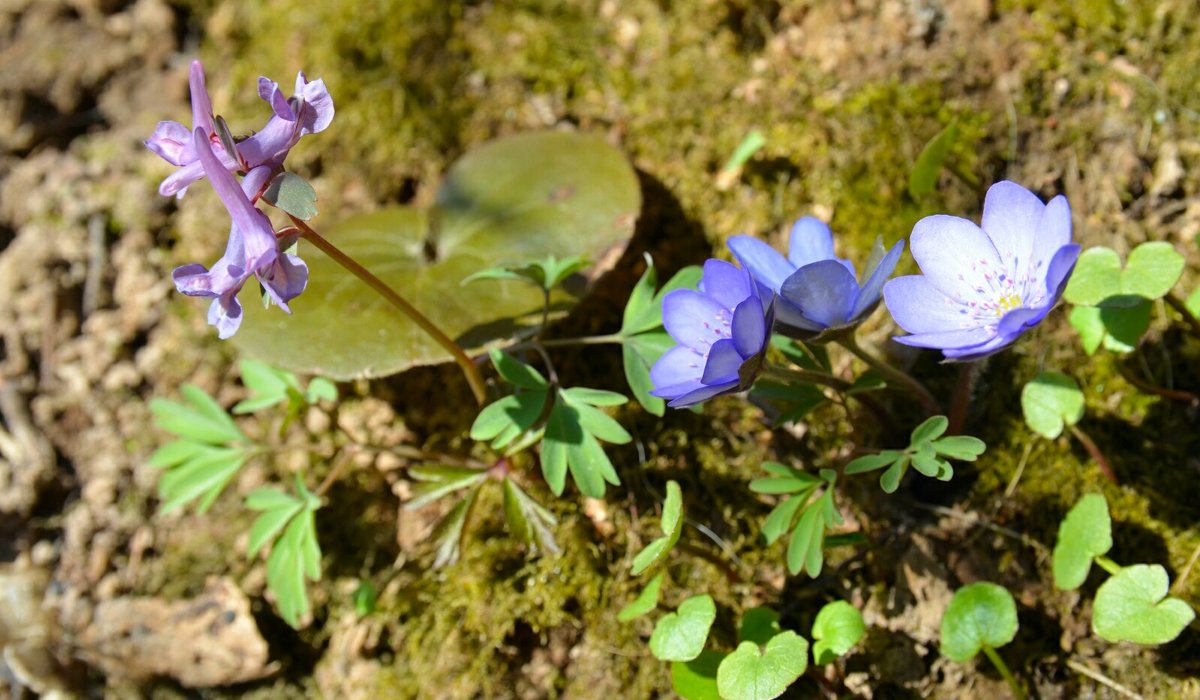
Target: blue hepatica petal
[725,283]
[749,327]
[868,295]
[763,262]
[695,320]
[723,363]
[984,287]
[825,291]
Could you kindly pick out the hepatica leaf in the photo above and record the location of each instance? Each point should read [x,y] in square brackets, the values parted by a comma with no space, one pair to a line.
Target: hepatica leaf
[1132,607]
[1150,272]
[518,199]
[680,636]
[751,673]
[838,627]
[1050,402]
[697,679]
[1084,534]
[979,615]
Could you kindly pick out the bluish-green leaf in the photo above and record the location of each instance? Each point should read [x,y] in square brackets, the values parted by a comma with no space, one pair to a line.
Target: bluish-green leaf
[889,480]
[646,601]
[637,374]
[595,397]
[520,198]
[1051,401]
[806,549]
[292,194]
[979,615]
[869,463]
[516,372]
[203,477]
[436,481]
[295,560]
[751,673]
[838,627]
[528,520]
[448,533]
[680,636]
[961,447]
[1083,535]
[202,419]
[1133,606]
[780,519]
[268,525]
[176,452]
[640,315]
[931,429]
[672,526]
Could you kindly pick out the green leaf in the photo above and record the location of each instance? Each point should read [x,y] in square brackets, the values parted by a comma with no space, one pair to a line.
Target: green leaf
[925,460]
[295,559]
[979,615]
[646,601]
[637,373]
[504,420]
[780,519]
[961,447]
[753,674]
[1118,329]
[1084,534]
[448,533]
[267,526]
[889,480]
[527,520]
[269,498]
[1150,272]
[759,625]
[438,480]
[545,274]
[680,636]
[365,597]
[1193,303]
[595,397]
[928,165]
[321,389]
[838,627]
[1132,607]
[640,314]
[202,419]
[203,477]
[929,430]
[516,372]
[806,550]
[672,526]
[697,679]
[1050,402]
[568,444]
[523,197]
[869,463]
[806,356]
[176,452]
[292,194]
[268,386]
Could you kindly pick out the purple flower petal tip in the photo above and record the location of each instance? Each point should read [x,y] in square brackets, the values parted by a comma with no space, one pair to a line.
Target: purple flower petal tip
[983,286]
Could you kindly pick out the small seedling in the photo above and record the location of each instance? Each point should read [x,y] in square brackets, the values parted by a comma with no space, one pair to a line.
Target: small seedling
[680,636]
[981,617]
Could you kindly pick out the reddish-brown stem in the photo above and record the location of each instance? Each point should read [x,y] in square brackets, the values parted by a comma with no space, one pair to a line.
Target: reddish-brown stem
[1105,468]
[469,368]
[968,373]
[1143,385]
[1178,304]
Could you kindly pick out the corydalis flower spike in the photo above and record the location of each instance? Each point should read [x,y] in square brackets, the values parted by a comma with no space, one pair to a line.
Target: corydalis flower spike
[722,330]
[252,250]
[818,292]
[984,286]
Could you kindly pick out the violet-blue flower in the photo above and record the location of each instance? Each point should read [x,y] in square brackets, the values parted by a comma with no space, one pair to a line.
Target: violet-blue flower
[252,249]
[818,291]
[984,285]
[309,111]
[722,330]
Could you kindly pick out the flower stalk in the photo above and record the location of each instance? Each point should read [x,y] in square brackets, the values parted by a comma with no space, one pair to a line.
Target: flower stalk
[469,368]
[931,405]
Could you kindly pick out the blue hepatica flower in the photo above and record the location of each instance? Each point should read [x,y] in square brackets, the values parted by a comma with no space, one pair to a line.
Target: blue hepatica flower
[817,290]
[722,330]
[984,285]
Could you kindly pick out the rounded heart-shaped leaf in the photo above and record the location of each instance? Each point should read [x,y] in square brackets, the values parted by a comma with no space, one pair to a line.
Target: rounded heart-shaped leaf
[680,636]
[1050,402]
[697,679]
[750,673]
[838,627]
[979,615]
[1130,607]
[1151,271]
[512,201]
[1084,534]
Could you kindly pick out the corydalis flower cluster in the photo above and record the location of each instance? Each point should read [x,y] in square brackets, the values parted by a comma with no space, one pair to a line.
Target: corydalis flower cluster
[253,248]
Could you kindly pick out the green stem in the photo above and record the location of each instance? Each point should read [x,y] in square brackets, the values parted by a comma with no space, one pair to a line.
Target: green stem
[1112,567]
[788,375]
[469,368]
[610,339]
[1003,669]
[932,407]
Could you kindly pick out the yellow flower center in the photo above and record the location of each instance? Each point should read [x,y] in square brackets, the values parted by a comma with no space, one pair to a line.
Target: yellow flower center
[1008,303]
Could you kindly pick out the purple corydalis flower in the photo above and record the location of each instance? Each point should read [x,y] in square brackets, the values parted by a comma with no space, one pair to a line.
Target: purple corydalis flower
[309,111]
[984,285]
[722,330]
[817,290]
[252,249]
